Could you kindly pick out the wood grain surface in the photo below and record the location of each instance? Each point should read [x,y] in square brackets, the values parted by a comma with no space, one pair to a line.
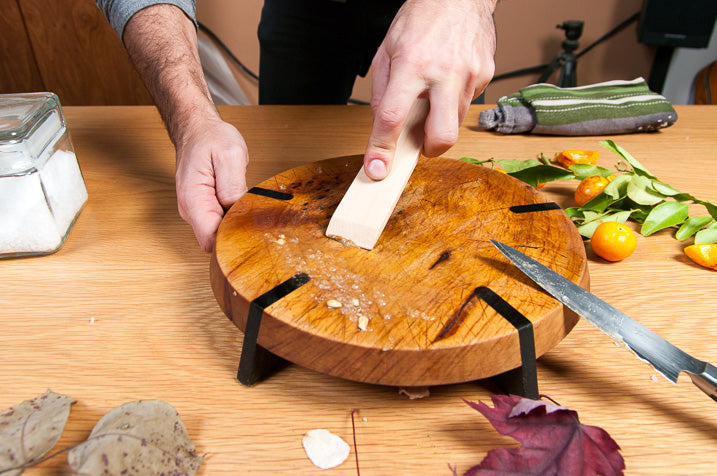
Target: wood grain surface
[125,311]
[423,323]
[76,54]
[19,72]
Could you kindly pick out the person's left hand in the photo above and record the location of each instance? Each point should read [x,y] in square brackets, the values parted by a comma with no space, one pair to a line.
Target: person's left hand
[435,49]
[211,174]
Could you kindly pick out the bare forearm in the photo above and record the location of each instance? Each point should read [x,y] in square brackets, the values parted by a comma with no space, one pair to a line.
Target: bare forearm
[162,43]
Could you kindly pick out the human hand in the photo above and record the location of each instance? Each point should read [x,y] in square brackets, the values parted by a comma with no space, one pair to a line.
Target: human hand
[435,49]
[211,175]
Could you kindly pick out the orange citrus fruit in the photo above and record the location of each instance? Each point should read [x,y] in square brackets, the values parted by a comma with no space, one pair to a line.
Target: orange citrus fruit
[590,188]
[704,254]
[570,157]
[613,241]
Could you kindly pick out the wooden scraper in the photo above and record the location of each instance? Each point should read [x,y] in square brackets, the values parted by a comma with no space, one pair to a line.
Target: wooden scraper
[367,205]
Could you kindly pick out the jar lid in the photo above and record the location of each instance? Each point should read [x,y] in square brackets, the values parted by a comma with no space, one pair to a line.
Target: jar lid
[20,112]
[29,123]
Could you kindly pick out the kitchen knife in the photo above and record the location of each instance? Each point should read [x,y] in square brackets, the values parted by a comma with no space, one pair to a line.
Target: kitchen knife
[650,347]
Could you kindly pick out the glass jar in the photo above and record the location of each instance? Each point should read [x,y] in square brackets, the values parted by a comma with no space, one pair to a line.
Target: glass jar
[41,187]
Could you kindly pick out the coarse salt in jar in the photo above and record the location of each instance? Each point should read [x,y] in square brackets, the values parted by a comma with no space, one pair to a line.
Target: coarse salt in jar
[41,187]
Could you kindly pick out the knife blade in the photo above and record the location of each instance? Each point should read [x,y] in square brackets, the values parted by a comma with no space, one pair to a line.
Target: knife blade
[665,357]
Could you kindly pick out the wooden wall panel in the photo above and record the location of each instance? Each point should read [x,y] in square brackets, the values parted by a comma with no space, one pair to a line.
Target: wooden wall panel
[79,56]
[18,70]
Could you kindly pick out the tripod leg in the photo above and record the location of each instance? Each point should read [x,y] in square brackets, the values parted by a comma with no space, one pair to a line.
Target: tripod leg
[568,75]
[555,64]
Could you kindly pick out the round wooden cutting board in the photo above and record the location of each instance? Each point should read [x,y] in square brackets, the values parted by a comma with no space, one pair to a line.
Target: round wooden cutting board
[410,313]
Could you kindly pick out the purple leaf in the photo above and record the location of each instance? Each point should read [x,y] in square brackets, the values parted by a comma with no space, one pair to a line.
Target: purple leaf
[553,441]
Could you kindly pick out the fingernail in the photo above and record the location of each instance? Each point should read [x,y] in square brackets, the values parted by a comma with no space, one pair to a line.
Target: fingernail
[376,169]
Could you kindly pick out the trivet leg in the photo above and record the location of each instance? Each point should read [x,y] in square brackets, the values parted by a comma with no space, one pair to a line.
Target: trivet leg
[523,380]
[256,362]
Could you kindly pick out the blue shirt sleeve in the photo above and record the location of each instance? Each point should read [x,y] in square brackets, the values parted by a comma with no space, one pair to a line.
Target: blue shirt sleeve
[118,12]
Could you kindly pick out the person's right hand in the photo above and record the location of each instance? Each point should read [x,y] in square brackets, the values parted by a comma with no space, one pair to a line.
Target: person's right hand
[435,49]
[211,175]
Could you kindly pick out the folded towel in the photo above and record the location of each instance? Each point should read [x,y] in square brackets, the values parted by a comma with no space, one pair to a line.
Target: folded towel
[612,107]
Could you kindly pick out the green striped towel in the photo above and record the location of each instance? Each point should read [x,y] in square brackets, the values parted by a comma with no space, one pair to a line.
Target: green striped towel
[612,107]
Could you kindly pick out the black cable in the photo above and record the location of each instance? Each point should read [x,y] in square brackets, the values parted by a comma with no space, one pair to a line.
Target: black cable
[610,33]
[534,69]
[226,49]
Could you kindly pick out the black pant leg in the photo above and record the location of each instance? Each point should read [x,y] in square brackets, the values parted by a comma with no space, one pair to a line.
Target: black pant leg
[306,52]
[312,50]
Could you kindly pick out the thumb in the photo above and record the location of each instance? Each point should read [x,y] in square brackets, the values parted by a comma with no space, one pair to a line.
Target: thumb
[389,120]
[394,127]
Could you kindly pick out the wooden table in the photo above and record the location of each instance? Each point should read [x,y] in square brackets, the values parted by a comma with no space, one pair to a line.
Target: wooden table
[124,311]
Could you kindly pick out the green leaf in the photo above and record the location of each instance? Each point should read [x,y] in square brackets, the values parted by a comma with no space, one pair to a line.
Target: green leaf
[684,197]
[588,228]
[664,215]
[511,166]
[583,171]
[543,159]
[471,160]
[600,203]
[618,187]
[706,236]
[636,166]
[574,212]
[590,215]
[712,209]
[664,189]
[640,191]
[541,174]
[640,214]
[691,226]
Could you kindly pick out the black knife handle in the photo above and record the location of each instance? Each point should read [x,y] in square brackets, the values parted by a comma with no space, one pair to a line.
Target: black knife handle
[707,380]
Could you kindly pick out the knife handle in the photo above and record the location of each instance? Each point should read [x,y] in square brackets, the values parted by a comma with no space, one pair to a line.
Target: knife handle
[707,380]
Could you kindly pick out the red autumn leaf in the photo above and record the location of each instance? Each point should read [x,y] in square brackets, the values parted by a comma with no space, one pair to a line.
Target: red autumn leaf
[553,441]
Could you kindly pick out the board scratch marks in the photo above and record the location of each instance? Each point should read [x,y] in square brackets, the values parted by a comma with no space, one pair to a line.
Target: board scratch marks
[445,256]
[455,322]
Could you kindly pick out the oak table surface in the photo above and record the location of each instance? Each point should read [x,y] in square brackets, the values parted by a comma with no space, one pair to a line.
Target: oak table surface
[125,311]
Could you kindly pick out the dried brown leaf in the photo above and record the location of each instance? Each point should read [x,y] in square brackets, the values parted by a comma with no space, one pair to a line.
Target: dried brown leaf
[29,430]
[143,437]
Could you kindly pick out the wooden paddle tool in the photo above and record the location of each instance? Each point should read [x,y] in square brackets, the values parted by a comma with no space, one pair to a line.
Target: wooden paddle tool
[364,211]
